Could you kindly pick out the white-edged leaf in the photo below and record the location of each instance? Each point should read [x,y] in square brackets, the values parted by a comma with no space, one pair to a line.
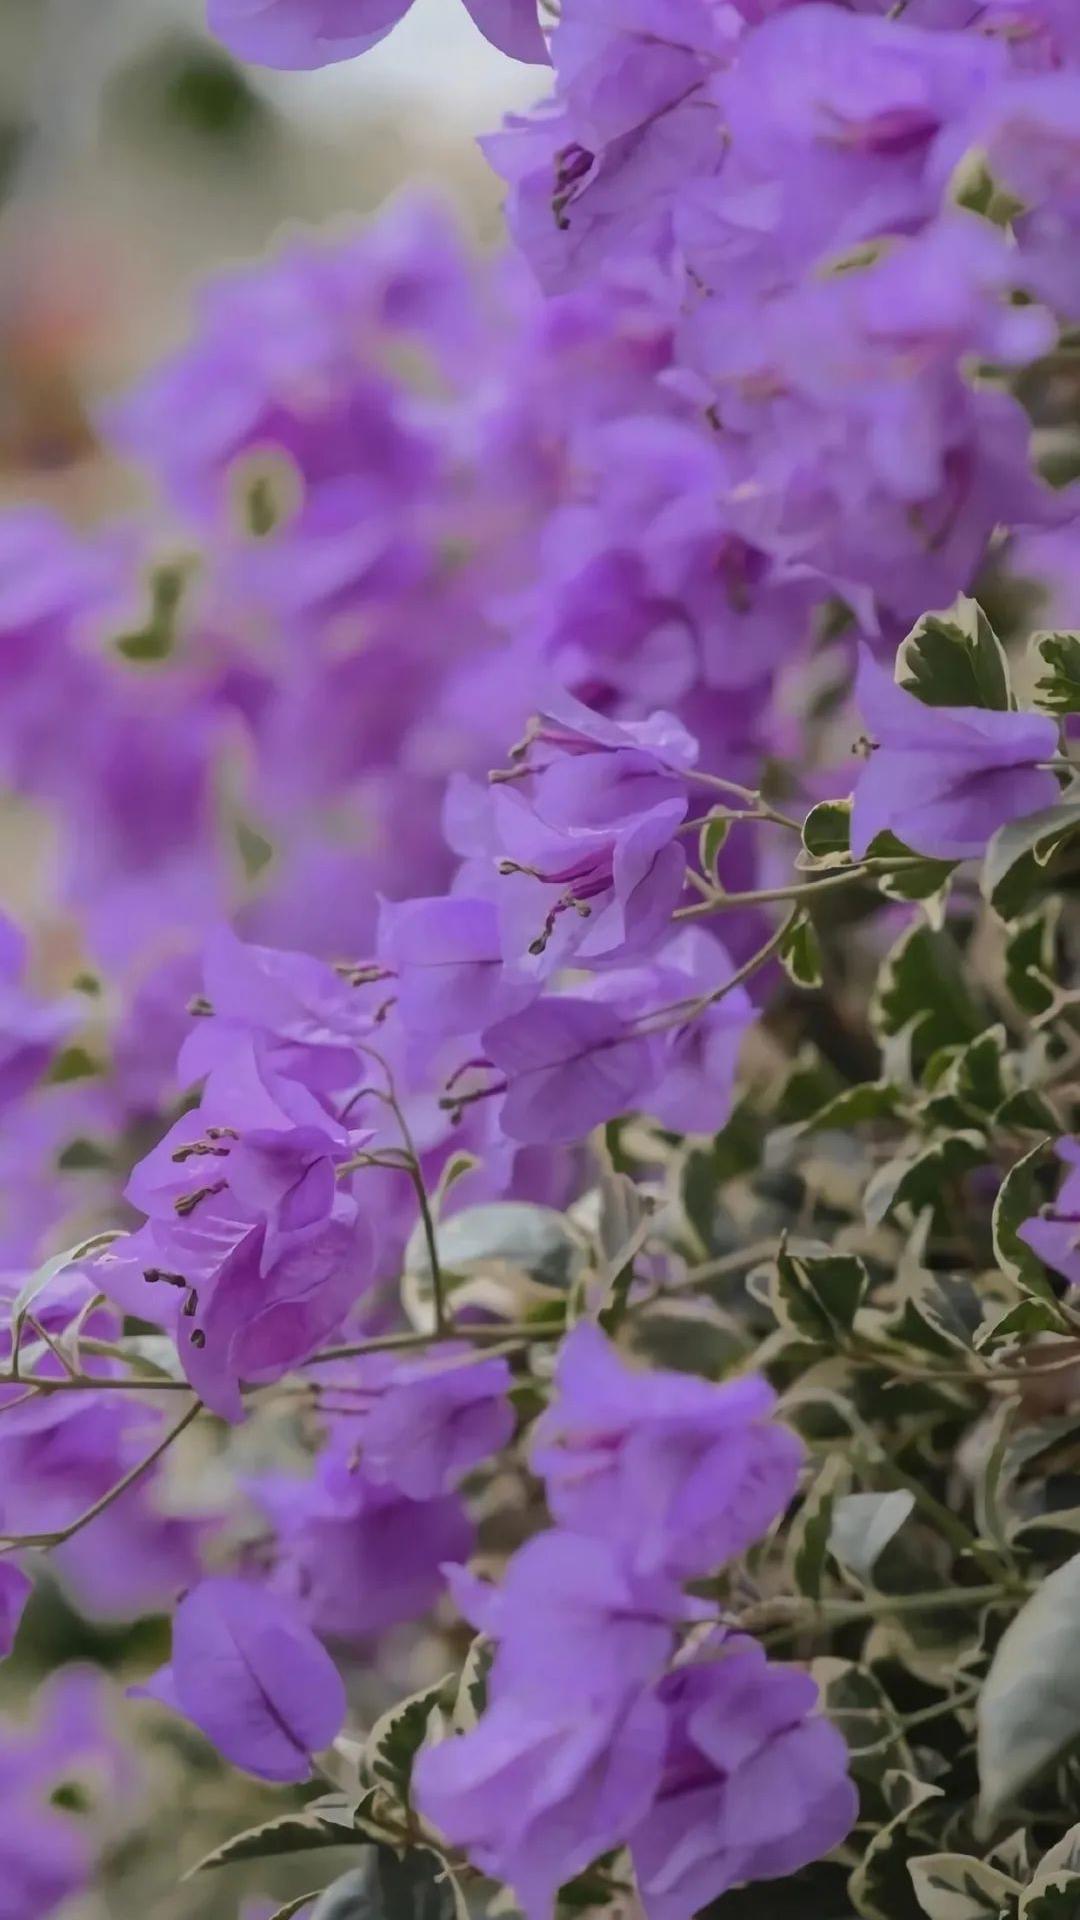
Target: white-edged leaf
[953,1886]
[862,1526]
[325,1823]
[396,1739]
[1029,1709]
[50,1269]
[293,1907]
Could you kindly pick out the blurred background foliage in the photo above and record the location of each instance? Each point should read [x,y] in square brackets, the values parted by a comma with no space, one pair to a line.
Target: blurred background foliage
[135,159]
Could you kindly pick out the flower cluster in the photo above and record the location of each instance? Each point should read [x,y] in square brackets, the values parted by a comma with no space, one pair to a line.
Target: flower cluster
[786,357]
[847,215]
[592,1739]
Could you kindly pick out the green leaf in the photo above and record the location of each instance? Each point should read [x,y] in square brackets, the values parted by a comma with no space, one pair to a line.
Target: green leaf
[814,1893]
[1028,1712]
[938,1314]
[818,1295]
[799,953]
[735,1150]
[293,1907]
[880,1886]
[1018,1198]
[1026,857]
[416,1885]
[471,1697]
[50,1269]
[1057,689]
[955,659]
[155,640]
[395,1740]
[922,1180]
[1054,1891]
[494,1249]
[82,1155]
[999,1508]
[858,1706]
[862,1526]
[711,840]
[1027,1111]
[919,878]
[978,1075]
[826,835]
[973,187]
[1026,1317]
[852,1107]
[1055,1897]
[255,850]
[809,1536]
[325,1823]
[512,1233]
[1064,1855]
[811,1083]
[72,1063]
[969,1082]
[624,1224]
[922,988]
[953,1886]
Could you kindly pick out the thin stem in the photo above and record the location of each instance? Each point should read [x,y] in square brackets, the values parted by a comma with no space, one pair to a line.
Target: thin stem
[949,1524]
[56,1350]
[845,1612]
[764,896]
[415,1174]
[91,1383]
[513,1335]
[800,890]
[724,1263]
[962,1698]
[757,808]
[719,785]
[62,1534]
[437,1287]
[359,1160]
[681,1011]
[523,1334]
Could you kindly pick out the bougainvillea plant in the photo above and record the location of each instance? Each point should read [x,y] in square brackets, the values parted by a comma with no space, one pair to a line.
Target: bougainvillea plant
[541,1154]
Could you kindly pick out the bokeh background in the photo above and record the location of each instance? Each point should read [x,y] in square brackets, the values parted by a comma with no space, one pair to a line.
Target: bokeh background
[135,159]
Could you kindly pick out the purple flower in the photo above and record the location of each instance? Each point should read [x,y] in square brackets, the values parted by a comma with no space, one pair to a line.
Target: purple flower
[446,959]
[676,1473]
[258,1315]
[1054,1234]
[253,1254]
[293,1000]
[944,779]
[312,33]
[360,1556]
[60,1453]
[754,1786]
[587,824]
[47,1854]
[15,1591]
[651,1037]
[30,1029]
[566,1757]
[55,1465]
[429,1417]
[570,1064]
[574,1620]
[696,1045]
[535,1796]
[253,1679]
